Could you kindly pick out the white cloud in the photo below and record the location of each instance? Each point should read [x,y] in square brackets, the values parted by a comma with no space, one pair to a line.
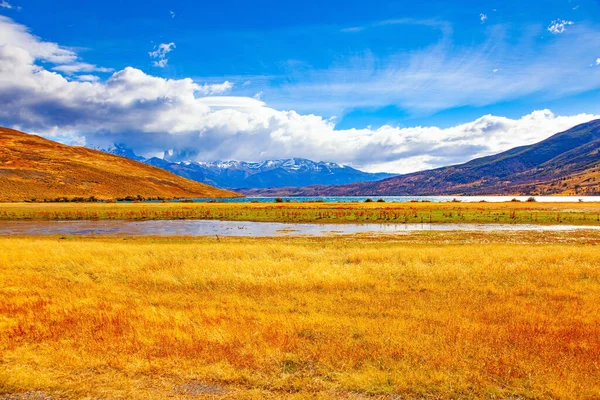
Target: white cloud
[87,78]
[172,14]
[160,54]
[161,63]
[153,114]
[6,4]
[216,88]
[18,35]
[559,26]
[598,61]
[430,147]
[80,67]
[483,18]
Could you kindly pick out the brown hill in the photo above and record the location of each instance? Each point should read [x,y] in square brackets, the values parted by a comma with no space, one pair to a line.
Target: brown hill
[567,163]
[32,167]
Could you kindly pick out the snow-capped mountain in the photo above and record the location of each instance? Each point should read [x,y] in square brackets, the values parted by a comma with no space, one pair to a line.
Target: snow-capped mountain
[294,172]
[121,150]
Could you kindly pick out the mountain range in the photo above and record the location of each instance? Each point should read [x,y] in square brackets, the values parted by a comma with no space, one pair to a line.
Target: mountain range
[295,172]
[32,167]
[567,163]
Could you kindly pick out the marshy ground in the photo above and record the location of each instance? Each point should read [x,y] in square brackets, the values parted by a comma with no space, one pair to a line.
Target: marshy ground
[486,213]
[427,315]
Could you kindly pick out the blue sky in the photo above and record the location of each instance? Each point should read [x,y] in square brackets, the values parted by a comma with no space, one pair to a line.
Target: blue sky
[277,77]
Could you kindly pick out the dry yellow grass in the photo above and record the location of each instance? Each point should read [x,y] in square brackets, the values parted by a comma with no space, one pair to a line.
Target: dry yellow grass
[424,316]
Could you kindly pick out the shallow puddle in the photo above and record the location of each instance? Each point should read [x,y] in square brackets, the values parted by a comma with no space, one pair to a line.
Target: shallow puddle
[243,228]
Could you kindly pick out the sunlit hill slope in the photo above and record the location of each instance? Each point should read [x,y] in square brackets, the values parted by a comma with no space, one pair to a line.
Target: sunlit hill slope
[32,167]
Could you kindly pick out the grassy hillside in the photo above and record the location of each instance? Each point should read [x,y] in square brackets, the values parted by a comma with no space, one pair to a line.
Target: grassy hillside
[567,163]
[32,167]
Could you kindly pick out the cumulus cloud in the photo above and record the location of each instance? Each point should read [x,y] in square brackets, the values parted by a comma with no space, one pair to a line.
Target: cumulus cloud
[483,18]
[598,61]
[152,114]
[559,26]
[6,4]
[160,54]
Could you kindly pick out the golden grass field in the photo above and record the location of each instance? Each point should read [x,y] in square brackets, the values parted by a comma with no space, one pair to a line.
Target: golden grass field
[508,212]
[428,315]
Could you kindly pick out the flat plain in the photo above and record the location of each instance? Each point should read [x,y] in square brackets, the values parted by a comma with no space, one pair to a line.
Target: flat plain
[427,315]
[582,213]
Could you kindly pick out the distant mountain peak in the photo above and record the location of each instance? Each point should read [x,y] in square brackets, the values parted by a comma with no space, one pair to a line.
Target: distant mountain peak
[120,149]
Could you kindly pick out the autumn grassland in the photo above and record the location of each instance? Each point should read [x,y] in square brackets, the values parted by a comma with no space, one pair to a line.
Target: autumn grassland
[418,212]
[428,315]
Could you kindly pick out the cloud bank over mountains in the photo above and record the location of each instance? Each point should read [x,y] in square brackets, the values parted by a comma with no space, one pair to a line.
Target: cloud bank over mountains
[47,89]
